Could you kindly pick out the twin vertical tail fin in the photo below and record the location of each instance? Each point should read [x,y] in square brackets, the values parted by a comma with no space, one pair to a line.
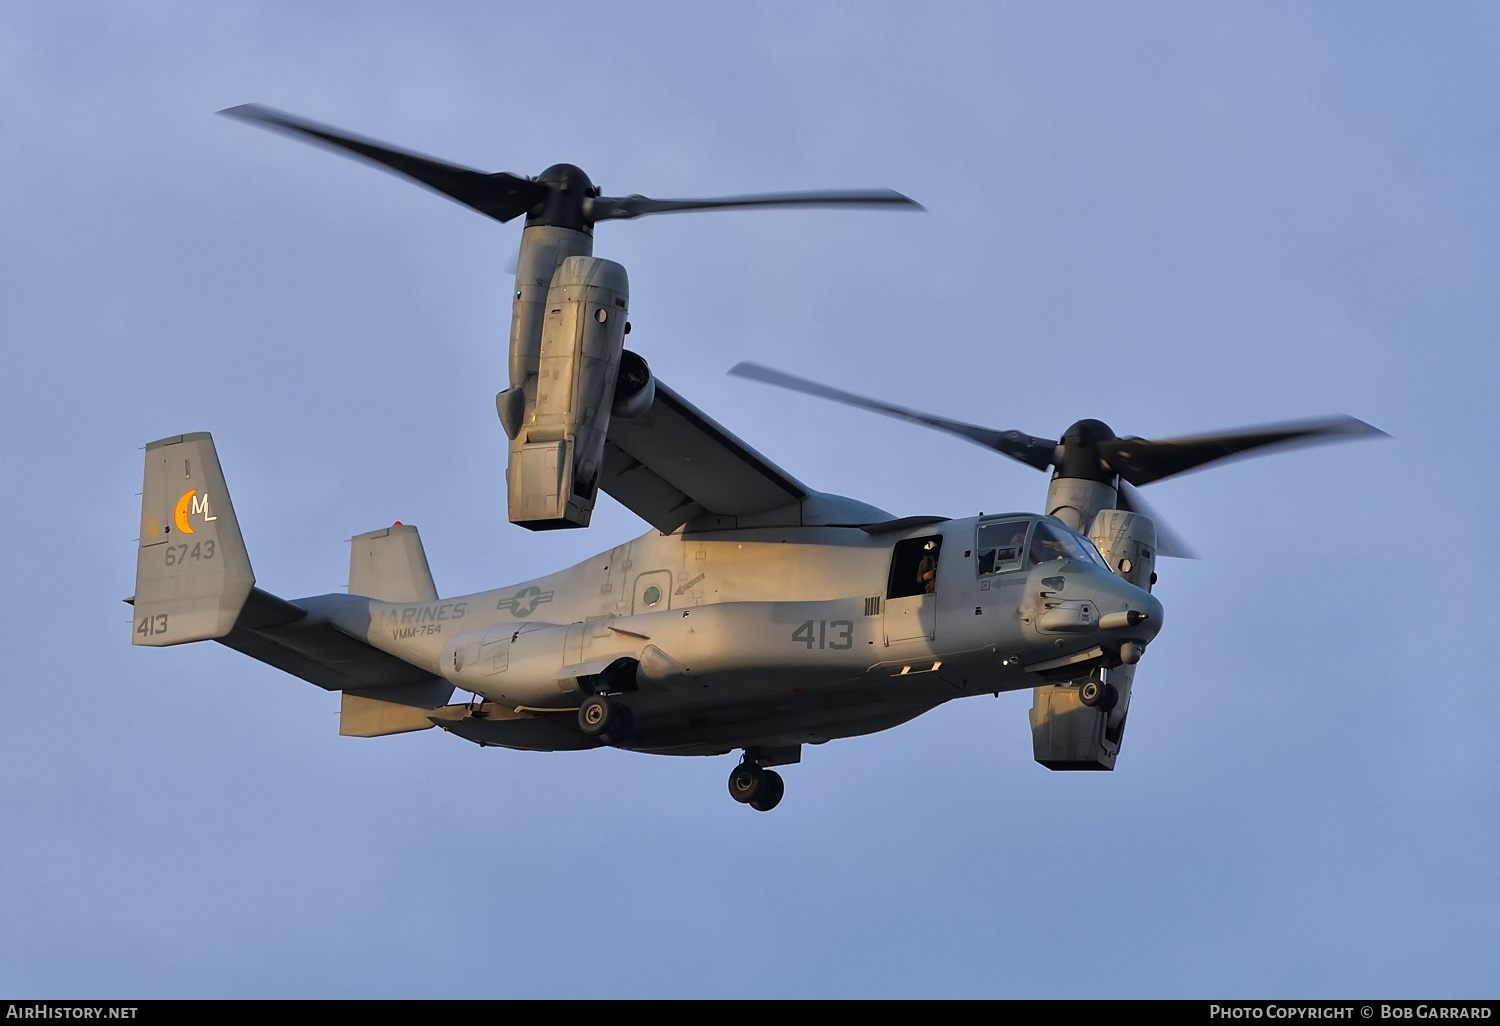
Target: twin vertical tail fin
[193,580]
[390,565]
[192,573]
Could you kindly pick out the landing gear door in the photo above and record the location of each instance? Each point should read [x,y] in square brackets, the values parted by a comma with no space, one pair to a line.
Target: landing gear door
[911,593]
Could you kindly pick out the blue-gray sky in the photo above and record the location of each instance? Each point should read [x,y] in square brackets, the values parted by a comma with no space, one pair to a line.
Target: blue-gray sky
[1175,217]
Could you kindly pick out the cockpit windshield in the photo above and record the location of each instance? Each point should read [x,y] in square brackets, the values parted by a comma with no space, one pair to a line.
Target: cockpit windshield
[1002,545]
[1052,541]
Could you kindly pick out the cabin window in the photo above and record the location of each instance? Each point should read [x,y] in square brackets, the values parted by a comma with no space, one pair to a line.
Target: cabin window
[1001,547]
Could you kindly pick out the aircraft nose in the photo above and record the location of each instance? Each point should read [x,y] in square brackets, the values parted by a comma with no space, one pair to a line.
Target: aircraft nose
[1099,607]
[1143,615]
[1134,619]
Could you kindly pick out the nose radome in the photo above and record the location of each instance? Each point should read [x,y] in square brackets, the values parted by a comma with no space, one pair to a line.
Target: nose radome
[1151,606]
[1125,610]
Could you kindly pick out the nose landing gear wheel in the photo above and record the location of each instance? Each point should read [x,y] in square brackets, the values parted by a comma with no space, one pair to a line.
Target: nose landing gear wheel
[597,715]
[1098,695]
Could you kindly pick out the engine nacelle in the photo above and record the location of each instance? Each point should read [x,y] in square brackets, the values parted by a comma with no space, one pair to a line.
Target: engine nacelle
[1065,733]
[1068,735]
[1127,541]
[557,434]
[635,387]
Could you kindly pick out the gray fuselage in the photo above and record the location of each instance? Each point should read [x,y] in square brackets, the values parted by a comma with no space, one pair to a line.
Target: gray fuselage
[767,636]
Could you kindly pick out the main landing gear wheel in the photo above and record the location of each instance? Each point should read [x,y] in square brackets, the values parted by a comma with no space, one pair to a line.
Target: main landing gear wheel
[747,782]
[772,788]
[1098,695]
[761,789]
[597,715]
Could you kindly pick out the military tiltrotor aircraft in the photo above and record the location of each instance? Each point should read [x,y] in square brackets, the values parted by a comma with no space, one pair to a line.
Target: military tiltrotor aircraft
[757,614]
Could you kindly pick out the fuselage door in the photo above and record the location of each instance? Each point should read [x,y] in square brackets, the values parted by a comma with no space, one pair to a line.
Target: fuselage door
[653,592]
[911,592]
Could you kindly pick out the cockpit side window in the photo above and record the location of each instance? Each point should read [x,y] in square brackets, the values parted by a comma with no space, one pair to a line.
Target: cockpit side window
[914,565]
[1001,546]
[1049,542]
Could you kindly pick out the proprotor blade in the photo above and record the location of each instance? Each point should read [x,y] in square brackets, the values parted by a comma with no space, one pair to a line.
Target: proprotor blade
[501,196]
[1032,451]
[1168,541]
[615,208]
[1142,461]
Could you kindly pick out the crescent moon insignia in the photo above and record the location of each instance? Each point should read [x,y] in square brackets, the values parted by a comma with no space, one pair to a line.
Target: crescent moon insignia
[181,515]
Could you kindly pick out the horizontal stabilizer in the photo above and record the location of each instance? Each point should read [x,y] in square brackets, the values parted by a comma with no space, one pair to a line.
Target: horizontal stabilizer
[193,583]
[302,640]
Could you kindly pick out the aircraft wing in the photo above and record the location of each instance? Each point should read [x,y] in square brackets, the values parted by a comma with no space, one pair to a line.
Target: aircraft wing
[674,462]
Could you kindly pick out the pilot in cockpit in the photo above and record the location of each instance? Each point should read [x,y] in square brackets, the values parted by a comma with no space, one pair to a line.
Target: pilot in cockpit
[1046,545]
[1049,543]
